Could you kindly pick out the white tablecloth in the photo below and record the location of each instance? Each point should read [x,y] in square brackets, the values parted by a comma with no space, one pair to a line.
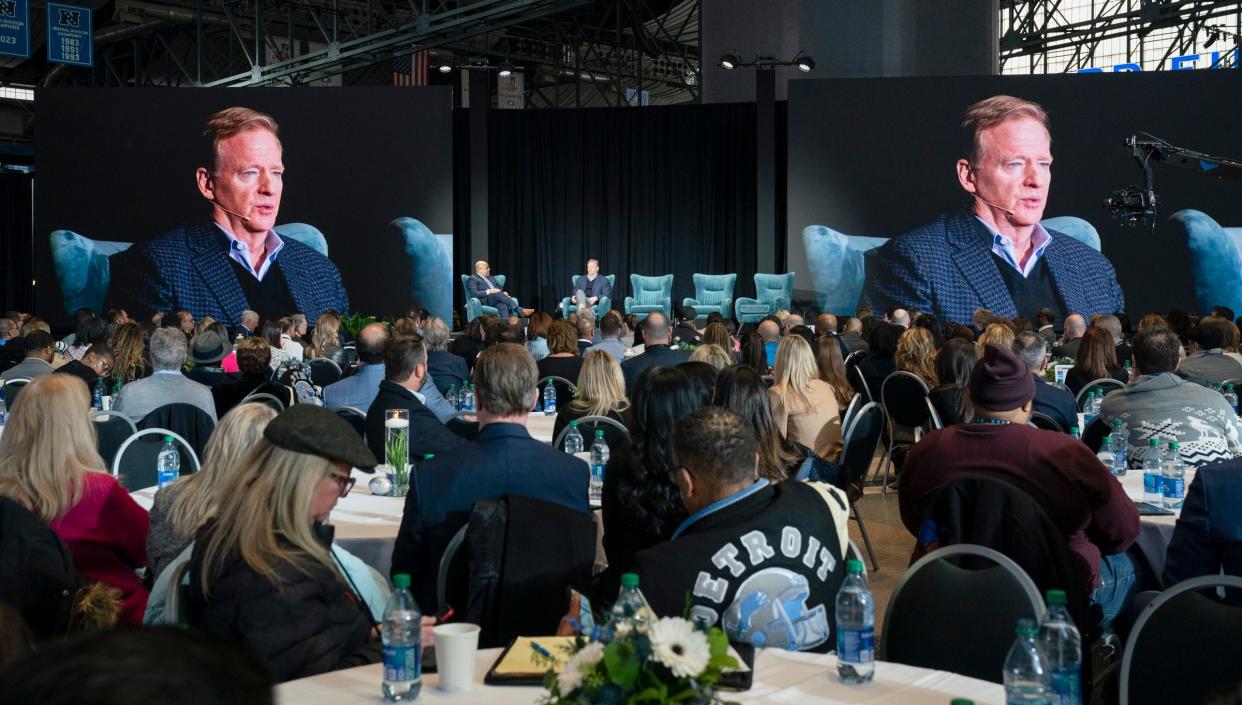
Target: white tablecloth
[780,677]
[1155,532]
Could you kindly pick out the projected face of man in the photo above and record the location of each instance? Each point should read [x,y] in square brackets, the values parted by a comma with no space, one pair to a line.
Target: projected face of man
[248,179]
[1013,172]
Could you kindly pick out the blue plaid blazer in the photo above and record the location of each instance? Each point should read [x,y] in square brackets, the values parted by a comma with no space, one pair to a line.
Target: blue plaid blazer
[947,268]
[189,269]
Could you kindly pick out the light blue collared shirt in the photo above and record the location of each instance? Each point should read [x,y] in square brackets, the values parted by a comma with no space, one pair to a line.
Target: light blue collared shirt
[718,505]
[239,252]
[1002,246]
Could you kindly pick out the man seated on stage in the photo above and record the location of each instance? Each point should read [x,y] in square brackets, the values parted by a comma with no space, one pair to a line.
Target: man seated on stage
[502,460]
[762,561]
[485,289]
[589,288]
[995,254]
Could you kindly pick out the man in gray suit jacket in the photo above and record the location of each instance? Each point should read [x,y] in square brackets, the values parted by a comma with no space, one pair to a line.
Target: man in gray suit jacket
[166,385]
[40,348]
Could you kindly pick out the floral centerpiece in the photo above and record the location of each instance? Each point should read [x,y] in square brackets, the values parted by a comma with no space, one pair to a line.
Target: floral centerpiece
[673,661]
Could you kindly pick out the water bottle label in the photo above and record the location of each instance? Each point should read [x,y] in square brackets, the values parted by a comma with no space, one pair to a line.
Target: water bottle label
[402,663]
[597,470]
[856,645]
[1065,687]
[1174,487]
[1152,483]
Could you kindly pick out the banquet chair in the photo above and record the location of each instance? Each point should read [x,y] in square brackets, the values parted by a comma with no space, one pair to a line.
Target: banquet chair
[1190,630]
[1105,384]
[186,420]
[904,398]
[962,589]
[476,308]
[324,371]
[615,432]
[176,610]
[355,417]
[650,294]
[111,430]
[855,404]
[264,398]
[565,389]
[1041,420]
[134,464]
[713,293]
[859,441]
[11,389]
[773,292]
[604,305]
[1093,435]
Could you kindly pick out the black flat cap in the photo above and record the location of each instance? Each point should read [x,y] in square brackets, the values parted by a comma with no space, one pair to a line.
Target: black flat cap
[314,430]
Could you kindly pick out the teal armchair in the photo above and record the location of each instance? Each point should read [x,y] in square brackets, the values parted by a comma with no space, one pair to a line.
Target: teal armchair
[650,294]
[773,292]
[713,293]
[475,308]
[835,259]
[1215,259]
[604,305]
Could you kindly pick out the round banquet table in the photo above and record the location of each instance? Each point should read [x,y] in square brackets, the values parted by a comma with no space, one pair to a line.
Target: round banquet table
[1155,532]
[780,677]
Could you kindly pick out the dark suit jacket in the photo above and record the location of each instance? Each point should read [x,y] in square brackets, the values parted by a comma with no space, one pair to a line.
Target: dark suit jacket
[478,286]
[1208,536]
[598,288]
[427,434]
[947,268]
[502,460]
[1057,403]
[189,268]
[653,356]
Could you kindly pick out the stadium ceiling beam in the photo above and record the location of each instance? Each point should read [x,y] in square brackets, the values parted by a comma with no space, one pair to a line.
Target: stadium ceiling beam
[1022,37]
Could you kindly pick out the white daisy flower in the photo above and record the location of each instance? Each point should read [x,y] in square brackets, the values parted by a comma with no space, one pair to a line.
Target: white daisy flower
[571,674]
[677,644]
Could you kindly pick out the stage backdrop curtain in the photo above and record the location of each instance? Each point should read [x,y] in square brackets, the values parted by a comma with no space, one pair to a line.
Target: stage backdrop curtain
[653,191]
[15,224]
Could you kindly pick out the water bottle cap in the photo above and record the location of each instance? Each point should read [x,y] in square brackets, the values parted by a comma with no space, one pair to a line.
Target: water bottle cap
[629,580]
[1154,443]
[1026,627]
[1172,445]
[853,566]
[1117,422]
[401,581]
[1074,429]
[1057,597]
[574,424]
[429,456]
[961,701]
[599,433]
[168,439]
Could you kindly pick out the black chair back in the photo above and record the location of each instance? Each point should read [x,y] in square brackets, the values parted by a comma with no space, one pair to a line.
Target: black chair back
[1046,422]
[1105,384]
[904,397]
[112,429]
[356,418]
[11,389]
[186,420]
[1188,629]
[855,377]
[859,442]
[264,398]
[134,465]
[1093,435]
[564,390]
[615,432]
[324,371]
[961,589]
[446,380]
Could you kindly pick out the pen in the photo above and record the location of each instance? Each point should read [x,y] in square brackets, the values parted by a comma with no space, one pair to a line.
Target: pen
[540,650]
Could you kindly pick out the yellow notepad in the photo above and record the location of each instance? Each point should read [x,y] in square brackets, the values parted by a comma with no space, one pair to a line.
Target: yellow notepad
[521,659]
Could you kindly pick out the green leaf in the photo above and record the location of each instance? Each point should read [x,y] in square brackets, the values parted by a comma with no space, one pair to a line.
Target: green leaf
[622,665]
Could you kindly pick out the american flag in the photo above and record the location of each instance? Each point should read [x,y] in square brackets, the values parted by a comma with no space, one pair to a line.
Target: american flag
[410,69]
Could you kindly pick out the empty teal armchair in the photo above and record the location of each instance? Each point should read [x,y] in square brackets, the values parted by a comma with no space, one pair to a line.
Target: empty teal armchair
[650,294]
[835,259]
[713,293]
[475,308]
[1215,259]
[604,305]
[773,292]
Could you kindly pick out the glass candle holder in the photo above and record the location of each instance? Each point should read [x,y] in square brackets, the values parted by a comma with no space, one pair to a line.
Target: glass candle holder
[397,449]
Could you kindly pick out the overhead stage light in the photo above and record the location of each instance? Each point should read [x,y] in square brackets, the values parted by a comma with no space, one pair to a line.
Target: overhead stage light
[1213,35]
[804,63]
[446,68]
[506,69]
[730,61]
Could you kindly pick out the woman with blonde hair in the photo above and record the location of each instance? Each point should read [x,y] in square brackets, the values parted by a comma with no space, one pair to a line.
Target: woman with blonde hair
[181,507]
[49,465]
[129,353]
[601,392]
[713,355]
[326,339]
[262,573]
[998,334]
[804,406]
[916,354]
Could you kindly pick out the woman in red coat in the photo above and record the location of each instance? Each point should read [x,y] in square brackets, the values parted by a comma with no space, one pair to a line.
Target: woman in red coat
[48,464]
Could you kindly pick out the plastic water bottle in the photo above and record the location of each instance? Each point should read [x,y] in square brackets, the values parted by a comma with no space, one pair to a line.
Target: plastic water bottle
[1173,479]
[403,650]
[1062,646]
[168,463]
[1026,670]
[855,626]
[630,612]
[1106,454]
[3,408]
[599,459]
[1121,454]
[467,398]
[452,397]
[573,439]
[549,400]
[1153,471]
[97,394]
[1231,397]
[1090,409]
[1076,432]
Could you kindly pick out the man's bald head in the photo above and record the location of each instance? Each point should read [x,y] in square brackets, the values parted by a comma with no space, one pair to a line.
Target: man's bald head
[769,331]
[900,317]
[825,323]
[1075,326]
[853,325]
[371,341]
[655,329]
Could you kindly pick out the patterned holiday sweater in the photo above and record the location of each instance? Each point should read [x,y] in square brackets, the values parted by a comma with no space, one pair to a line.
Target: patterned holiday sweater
[1170,408]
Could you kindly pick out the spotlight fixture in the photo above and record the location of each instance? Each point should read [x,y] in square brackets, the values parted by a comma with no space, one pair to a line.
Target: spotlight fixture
[804,63]
[730,61]
[766,62]
[446,68]
[1213,36]
[505,70]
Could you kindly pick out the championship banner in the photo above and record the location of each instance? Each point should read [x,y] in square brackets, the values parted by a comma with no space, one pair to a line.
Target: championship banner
[15,28]
[69,38]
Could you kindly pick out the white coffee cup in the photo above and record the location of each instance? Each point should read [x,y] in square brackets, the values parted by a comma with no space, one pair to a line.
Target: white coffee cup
[456,645]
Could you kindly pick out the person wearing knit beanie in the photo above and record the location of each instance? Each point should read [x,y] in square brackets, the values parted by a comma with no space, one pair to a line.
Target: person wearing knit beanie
[1002,382]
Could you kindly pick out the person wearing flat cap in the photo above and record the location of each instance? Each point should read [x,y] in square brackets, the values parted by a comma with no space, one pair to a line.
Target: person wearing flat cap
[207,349]
[1081,496]
[262,573]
